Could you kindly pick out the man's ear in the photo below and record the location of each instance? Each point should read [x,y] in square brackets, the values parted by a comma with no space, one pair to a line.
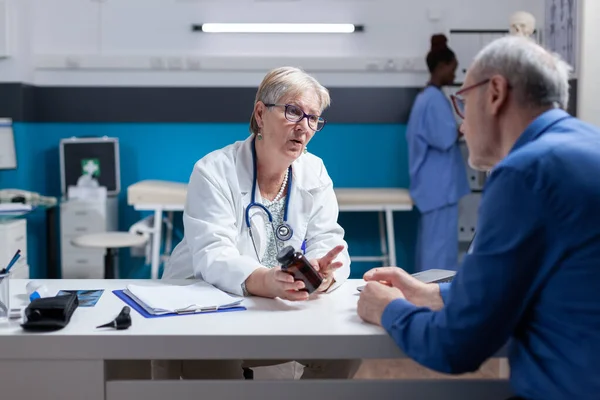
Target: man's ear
[498,89]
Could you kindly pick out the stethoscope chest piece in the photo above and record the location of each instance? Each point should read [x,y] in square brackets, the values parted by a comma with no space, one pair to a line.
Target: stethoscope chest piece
[284,232]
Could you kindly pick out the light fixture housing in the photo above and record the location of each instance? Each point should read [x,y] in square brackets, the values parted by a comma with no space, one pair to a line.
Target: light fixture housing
[276,28]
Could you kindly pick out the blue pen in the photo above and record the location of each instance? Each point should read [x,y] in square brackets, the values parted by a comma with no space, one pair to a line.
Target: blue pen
[12,262]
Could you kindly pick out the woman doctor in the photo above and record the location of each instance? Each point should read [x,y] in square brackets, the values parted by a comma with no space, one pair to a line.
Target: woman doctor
[251,198]
[438,176]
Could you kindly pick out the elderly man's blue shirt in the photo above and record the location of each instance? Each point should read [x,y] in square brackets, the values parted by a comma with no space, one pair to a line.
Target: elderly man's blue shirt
[533,277]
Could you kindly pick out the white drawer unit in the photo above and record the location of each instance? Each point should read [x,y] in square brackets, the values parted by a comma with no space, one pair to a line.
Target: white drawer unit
[13,237]
[476,178]
[82,217]
[84,264]
[468,208]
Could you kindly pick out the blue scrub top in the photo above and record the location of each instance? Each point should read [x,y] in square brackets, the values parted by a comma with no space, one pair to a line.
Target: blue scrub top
[533,276]
[438,175]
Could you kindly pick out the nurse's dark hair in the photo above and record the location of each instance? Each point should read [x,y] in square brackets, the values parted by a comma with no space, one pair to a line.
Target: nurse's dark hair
[439,53]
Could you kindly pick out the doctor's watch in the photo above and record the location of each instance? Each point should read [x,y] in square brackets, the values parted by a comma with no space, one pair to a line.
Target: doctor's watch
[244,290]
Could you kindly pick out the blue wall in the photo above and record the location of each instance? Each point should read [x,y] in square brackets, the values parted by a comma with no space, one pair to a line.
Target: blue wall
[368,155]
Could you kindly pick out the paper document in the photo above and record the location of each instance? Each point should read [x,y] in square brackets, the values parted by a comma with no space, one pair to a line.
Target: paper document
[166,299]
[14,207]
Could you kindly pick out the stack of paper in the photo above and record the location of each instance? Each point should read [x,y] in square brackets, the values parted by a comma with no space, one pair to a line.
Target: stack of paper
[168,299]
[15,208]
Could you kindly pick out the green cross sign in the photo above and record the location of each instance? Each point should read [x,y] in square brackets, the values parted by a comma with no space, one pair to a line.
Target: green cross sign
[90,166]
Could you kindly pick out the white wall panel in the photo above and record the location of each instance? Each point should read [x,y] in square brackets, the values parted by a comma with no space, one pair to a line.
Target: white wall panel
[80,31]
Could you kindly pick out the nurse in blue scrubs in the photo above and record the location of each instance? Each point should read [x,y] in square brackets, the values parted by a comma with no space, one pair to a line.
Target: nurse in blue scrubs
[438,177]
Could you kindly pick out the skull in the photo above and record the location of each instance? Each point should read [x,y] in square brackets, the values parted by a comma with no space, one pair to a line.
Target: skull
[522,24]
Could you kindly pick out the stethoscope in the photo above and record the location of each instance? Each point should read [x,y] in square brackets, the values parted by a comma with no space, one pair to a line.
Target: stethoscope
[284,231]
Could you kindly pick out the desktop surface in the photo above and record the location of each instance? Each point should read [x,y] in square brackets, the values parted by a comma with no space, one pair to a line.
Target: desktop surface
[326,324]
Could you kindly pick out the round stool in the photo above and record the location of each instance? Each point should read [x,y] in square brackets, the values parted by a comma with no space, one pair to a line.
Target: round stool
[111,241]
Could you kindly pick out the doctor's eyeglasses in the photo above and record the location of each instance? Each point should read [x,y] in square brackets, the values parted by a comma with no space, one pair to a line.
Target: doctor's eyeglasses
[458,101]
[295,114]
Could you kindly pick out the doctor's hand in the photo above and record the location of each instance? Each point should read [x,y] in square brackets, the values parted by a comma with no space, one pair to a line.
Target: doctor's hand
[419,293]
[272,282]
[373,300]
[326,266]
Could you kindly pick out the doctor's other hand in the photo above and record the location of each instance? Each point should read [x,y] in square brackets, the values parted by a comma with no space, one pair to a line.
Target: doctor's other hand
[326,266]
[419,293]
[273,282]
[373,300]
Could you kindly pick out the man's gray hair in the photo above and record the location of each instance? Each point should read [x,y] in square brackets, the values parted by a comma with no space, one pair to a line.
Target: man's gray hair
[538,77]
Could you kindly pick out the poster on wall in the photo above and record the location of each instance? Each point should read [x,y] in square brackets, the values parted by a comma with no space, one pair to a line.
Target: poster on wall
[560,29]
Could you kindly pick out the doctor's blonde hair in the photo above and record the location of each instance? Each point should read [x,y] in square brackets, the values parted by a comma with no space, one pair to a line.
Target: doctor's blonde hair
[287,82]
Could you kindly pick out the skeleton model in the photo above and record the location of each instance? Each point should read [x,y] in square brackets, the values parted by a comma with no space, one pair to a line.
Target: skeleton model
[522,24]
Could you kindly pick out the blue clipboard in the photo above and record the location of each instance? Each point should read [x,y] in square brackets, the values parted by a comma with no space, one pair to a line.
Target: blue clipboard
[131,303]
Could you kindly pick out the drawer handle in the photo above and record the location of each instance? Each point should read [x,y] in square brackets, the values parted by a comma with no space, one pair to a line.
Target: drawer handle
[81,213]
[20,238]
[81,261]
[81,229]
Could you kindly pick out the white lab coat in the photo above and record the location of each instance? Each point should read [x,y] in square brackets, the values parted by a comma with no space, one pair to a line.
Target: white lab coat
[217,247]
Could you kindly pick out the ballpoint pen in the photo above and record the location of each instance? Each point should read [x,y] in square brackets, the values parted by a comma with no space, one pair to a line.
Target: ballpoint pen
[12,262]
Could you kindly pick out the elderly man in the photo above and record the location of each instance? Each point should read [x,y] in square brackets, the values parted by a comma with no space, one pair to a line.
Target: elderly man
[532,275]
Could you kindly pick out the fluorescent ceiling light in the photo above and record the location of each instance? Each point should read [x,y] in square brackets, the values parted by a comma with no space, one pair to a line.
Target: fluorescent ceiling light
[277,28]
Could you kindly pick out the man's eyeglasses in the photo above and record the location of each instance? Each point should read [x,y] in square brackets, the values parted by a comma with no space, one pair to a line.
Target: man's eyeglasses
[295,114]
[458,101]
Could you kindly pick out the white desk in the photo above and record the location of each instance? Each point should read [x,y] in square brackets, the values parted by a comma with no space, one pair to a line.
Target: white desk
[69,364]
[384,201]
